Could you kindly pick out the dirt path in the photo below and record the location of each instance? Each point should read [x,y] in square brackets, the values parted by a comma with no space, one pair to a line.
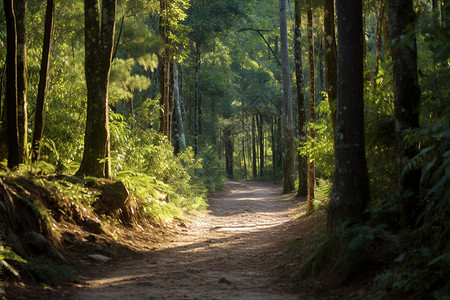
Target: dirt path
[230,253]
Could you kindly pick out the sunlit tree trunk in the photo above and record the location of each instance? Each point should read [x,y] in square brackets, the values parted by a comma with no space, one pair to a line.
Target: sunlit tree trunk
[12,126]
[312,88]
[164,72]
[43,80]
[289,160]
[20,8]
[99,40]
[179,114]
[407,100]
[350,184]
[330,59]
[302,159]
[196,97]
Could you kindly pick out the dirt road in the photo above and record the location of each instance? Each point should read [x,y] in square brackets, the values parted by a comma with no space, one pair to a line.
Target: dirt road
[230,253]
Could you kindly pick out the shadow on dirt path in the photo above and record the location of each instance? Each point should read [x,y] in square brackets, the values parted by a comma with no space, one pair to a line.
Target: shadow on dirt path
[230,253]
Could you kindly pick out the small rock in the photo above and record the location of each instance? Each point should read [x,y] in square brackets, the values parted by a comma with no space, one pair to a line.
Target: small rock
[100,258]
[92,226]
[38,244]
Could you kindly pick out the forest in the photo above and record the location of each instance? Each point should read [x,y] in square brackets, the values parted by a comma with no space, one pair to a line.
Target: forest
[122,114]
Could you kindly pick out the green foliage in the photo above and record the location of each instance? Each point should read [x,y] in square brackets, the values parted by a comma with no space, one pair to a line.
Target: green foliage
[6,254]
[320,149]
[74,192]
[322,194]
[144,161]
[212,171]
[46,272]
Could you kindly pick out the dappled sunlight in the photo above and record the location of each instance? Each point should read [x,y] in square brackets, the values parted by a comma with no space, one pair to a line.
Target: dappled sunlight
[233,252]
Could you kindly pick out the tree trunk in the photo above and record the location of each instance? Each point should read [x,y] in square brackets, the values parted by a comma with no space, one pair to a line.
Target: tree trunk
[99,40]
[261,145]
[171,99]
[243,143]
[177,100]
[350,185]
[274,146]
[196,97]
[330,59]
[20,8]
[229,149]
[12,125]
[435,9]
[43,80]
[407,100]
[378,35]
[279,142]
[164,80]
[3,129]
[254,167]
[289,166]
[302,159]
[312,89]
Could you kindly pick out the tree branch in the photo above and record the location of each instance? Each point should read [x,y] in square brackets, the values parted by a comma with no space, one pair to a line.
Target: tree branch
[267,43]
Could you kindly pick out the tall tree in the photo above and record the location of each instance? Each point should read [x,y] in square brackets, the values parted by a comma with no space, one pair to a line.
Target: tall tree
[261,143]
[330,58]
[197,97]
[229,149]
[312,90]
[11,85]
[407,99]
[350,184]
[289,163]
[302,159]
[20,8]
[99,40]
[254,166]
[164,71]
[179,114]
[43,80]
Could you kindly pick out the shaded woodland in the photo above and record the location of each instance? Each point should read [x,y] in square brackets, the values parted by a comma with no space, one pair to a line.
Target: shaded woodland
[123,112]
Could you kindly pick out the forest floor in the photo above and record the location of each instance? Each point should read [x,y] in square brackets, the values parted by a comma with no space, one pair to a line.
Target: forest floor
[235,251]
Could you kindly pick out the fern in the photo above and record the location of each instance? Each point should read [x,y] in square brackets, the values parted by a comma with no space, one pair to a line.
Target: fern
[44,271]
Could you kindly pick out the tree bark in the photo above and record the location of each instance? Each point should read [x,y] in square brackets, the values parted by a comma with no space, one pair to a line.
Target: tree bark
[196,97]
[12,125]
[350,185]
[330,59]
[407,100]
[43,80]
[289,162]
[99,41]
[229,149]
[179,114]
[312,89]
[261,145]
[243,141]
[20,8]
[164,71]
[302,159]
[254,166]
